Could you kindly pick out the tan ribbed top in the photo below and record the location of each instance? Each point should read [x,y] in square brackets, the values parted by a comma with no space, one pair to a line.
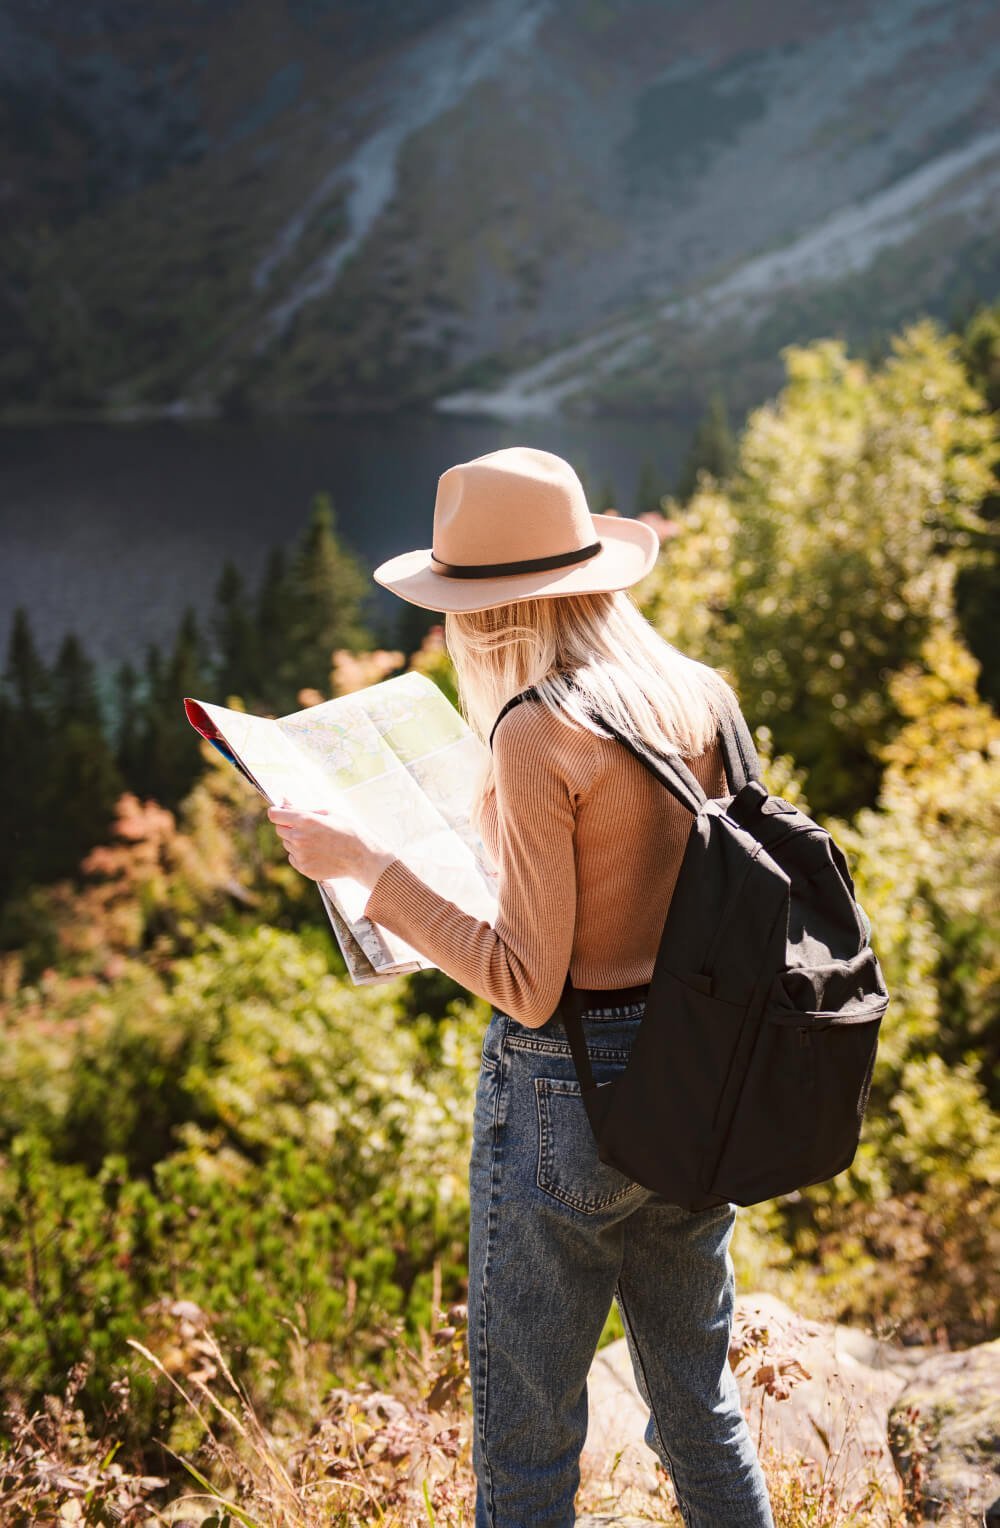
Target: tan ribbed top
[588,846]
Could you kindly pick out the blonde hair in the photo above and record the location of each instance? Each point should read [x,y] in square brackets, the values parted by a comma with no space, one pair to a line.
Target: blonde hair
[618,663]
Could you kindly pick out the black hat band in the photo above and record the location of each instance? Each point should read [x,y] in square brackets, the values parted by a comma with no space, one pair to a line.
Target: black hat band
[526,565]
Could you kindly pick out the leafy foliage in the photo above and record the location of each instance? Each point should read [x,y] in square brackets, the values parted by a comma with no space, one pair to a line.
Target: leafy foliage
[431,658]
[851,484]
[977,591]
[251,1134]
[913,1226]
[821,579]
[823,570]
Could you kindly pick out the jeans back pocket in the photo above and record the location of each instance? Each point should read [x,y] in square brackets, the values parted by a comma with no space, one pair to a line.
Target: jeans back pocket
[569,1168]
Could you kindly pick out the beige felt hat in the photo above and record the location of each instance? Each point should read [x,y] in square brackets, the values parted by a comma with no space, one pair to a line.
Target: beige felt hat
[514,524]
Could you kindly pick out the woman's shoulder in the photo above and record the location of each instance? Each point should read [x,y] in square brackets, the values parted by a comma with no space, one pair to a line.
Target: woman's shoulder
[531,734]
[528,722]
[530,741]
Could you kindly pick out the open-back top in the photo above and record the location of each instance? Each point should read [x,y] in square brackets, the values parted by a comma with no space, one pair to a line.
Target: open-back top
[588,846]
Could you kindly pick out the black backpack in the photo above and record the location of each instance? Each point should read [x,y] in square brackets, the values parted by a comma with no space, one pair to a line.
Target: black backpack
[750,1072]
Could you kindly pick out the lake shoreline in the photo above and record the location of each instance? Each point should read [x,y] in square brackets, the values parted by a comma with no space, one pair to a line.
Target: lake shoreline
[186,411]
[110,528]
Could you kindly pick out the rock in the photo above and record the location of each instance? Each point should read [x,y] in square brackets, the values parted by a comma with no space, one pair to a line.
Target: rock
[618,1417]
[946,1419]
[810,1389]
[822,1392]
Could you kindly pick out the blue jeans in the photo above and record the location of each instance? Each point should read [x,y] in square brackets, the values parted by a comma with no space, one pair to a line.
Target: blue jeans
[555,1236]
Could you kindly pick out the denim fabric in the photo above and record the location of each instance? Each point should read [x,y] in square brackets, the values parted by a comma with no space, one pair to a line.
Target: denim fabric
[555,1236]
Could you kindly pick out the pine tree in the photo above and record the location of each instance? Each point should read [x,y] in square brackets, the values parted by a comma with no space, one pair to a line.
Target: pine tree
[329,592]
[17,796]
[977,592]
[176,763]
[164,746]
[412,625]
[235,637]
[72,688]
[26,746]
[713,449]
[128,713]
[188,662]
[83,780]
[25,673]
[650,488]
[147,713]
[608,498]
[58,774]
[274,620]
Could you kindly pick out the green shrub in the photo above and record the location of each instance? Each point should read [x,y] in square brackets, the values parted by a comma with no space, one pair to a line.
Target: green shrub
[311,1144]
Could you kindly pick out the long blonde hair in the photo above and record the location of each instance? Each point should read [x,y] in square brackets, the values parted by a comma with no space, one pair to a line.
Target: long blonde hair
[618,663]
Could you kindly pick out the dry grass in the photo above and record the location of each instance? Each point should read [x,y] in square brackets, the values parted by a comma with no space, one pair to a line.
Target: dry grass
[396,1459]
[803,1493]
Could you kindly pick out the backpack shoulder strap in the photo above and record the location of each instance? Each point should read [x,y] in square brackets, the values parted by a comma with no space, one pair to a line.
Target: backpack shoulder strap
[739,752]
[673,773]
[669,769]
[739,756]
[529,694]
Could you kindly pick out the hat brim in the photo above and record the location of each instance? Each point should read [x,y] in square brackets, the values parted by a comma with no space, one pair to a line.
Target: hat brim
[628,551]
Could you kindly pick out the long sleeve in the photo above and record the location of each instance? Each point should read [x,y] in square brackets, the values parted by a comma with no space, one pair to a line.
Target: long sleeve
[520,964]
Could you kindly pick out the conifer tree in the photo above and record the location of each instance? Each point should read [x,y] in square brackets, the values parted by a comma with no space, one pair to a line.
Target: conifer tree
[413,623]
[977,592]
[82,781]
[167,760]
[25,674]
[608,499]
[328,595]
[128,722]
[147,713]
[26,745]
[11,773]
[177,761]
[274,606]
[57,770]
[188,661]
[72,687]
[650,488]
[235,636]
[713,449]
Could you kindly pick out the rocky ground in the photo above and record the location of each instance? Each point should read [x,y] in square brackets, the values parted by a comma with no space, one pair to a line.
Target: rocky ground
[849,1405]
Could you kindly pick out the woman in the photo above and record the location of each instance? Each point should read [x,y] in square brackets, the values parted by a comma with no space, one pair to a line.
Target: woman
[588,847]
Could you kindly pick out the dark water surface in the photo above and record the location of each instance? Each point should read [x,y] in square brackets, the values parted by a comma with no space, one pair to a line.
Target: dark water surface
[110,530]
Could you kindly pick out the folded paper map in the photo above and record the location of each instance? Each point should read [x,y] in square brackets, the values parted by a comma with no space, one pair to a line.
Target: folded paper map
[398,759]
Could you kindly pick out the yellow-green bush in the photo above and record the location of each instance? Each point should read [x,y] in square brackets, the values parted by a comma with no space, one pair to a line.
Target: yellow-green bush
[253,1134]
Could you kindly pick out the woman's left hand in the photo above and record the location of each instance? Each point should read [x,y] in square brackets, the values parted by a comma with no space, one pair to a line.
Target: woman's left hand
[323,846]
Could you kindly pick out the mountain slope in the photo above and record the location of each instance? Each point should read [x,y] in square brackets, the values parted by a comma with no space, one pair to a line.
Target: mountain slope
[502,206]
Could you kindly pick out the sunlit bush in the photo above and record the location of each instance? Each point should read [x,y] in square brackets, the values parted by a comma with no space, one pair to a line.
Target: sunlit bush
[911,1232]
[254,1134]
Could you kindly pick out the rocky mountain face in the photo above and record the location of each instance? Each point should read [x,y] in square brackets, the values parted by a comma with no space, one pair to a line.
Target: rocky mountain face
[505,206]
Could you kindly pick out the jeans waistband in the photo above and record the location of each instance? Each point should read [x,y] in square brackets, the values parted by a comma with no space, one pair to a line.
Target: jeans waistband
[610,997]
